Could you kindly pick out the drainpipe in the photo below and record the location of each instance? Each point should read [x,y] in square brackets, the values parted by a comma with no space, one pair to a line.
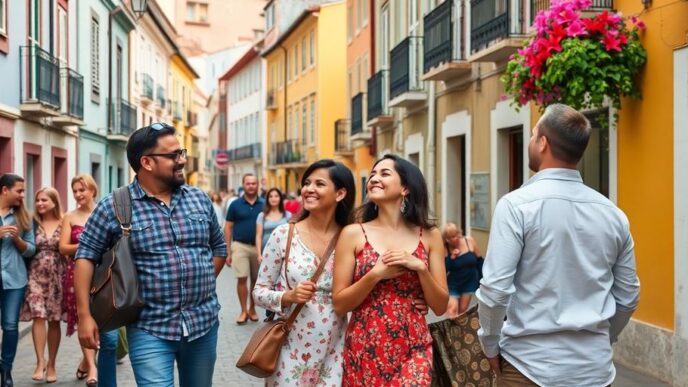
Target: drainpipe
[112,13]
[430,146]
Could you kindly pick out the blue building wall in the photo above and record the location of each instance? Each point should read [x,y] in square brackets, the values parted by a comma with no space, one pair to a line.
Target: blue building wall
[9,64]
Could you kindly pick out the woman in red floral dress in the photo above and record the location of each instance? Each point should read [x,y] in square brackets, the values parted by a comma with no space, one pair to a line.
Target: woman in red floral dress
[393,257]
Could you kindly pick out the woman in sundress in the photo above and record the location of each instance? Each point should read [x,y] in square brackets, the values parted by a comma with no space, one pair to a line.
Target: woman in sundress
[312,354]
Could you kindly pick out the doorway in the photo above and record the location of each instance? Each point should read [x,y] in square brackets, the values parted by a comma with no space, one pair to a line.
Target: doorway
[456,181]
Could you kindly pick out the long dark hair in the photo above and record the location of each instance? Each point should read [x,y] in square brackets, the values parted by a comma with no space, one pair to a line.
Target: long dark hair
[412,179]
[21,215]
[342,178]
[280,206]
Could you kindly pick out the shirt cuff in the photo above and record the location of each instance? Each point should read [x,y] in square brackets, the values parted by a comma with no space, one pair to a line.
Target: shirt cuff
[490,344]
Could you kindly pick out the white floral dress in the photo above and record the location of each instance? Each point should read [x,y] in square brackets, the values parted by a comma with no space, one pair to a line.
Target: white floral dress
[312,355]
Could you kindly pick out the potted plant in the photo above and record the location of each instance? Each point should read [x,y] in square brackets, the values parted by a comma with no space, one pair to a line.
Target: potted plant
[575,60]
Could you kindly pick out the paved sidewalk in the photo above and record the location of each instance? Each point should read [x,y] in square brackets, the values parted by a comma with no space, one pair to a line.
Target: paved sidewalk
[232,339]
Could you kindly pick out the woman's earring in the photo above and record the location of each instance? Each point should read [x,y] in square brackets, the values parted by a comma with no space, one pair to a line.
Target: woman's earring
[403,204]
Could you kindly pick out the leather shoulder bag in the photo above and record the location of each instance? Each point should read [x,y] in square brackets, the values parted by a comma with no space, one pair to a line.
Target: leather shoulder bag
[115,299]
[260,356]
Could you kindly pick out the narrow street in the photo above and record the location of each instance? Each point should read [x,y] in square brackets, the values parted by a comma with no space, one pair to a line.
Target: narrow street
[232,340]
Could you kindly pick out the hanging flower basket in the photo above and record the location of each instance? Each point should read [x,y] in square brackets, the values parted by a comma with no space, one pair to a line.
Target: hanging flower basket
[576,61]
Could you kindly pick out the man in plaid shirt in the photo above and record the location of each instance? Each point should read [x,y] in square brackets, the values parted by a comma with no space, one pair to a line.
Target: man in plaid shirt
[178,249]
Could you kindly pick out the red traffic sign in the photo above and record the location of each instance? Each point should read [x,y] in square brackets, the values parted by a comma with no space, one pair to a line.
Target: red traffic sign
[221,160]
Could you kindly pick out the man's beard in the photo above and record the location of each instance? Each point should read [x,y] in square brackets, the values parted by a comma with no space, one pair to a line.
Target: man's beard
[175,181]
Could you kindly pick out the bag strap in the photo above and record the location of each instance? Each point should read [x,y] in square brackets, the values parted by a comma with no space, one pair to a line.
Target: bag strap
[121,200]
[314,279]
[286,253]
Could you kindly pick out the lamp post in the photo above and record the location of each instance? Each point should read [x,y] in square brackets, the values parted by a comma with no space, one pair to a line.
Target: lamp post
[139,7]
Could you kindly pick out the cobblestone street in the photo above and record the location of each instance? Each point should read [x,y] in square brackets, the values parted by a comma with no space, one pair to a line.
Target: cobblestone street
[232,339]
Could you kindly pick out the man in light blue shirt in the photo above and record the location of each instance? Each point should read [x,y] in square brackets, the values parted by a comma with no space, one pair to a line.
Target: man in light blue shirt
[560,266]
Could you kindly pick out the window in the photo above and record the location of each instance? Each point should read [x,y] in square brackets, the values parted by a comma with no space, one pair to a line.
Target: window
[594,166]
[312,51]
[3,17]
[295,54]
[304,123]
[196,12]
[349,23]
[289,123]
[295,124]
[364,6]
[359,14]
[313,120]
[95,55]
[515,138]
[269,17]
[288,60]
[303,54]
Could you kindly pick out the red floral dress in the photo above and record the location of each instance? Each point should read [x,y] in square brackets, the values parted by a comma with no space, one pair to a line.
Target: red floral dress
[387,341]
[69,300]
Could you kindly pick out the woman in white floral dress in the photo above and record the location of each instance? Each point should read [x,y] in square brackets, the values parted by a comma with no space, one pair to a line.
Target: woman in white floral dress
[312,355]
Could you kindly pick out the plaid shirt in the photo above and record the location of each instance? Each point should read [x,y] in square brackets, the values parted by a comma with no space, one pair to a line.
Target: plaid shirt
[173,249]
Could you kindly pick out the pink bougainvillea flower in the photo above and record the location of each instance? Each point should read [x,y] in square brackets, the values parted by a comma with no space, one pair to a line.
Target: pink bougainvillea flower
[576,29]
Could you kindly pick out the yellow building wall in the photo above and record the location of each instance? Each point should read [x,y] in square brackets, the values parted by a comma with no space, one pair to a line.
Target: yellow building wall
[331,99]
[645,158]
[181,76]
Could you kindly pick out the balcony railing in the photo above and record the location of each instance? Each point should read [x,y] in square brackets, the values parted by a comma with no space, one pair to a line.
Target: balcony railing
[147,91]
[443,38]
[357,113]
[378,95]
[406,59]
[287,152]
[124,118]
[160,97]
[541,5]
[39,77]
[250,151]
[73,93]
[342,128]
[271,100]
[493,20]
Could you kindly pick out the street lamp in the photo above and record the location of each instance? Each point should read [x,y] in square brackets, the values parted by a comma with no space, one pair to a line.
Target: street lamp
[139,7]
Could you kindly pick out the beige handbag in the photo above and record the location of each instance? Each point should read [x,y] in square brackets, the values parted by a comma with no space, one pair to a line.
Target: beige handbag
[260,356]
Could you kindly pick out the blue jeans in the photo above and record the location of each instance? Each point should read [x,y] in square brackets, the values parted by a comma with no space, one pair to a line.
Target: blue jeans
[107,359]
[11,301]
[152,359]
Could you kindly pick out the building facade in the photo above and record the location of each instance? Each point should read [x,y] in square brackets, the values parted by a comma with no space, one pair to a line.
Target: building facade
[306,92]
[244,91]
[42,105]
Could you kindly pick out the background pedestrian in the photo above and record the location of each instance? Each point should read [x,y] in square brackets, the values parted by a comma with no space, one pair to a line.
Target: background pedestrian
[43,302]
[17,243]
[85,191]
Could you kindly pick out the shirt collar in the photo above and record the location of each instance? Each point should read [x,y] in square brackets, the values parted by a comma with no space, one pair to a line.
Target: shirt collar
[137,191]
[555,174]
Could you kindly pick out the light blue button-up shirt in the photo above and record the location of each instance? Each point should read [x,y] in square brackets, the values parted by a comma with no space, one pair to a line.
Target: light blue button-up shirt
[560,266]
[14,274]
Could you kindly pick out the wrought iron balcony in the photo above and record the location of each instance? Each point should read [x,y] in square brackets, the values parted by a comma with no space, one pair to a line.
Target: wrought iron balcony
[39,85]
[497,29]
[123,120]
[444,45]
[287,152]
[250,151]
[147,90]
[342,127]
[597,6]
[359,131]
[72,98]
[378,99]
[160,97]
[271,100]
[406,88]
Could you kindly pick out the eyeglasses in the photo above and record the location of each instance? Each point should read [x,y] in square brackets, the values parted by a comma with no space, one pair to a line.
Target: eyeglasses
[176,155]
